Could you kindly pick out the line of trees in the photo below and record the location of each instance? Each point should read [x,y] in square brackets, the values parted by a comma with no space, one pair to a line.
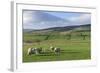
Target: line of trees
[67,36]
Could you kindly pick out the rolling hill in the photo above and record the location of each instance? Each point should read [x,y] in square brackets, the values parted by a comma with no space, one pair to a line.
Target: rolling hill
[86,27]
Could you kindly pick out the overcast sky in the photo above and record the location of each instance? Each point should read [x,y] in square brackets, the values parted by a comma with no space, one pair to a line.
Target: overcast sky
[46,19]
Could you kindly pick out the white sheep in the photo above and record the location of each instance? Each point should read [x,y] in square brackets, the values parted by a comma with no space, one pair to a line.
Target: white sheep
[34,51]
[55,50]
[29,51]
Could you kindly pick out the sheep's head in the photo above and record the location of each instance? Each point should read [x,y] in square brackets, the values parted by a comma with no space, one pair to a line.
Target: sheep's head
[52,48]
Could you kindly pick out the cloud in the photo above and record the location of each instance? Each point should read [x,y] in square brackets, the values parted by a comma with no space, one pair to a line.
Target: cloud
[41,20]
[37,19]
[27,17]
[82,19]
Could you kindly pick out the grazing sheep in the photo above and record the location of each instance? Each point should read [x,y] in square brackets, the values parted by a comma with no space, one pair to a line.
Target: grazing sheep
[38,50]
[29,51]
[57,50]
[34,51]
[52,48]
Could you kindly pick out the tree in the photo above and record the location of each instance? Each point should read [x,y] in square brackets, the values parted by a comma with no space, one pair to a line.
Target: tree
[69,36]
[47,37]
[83,35]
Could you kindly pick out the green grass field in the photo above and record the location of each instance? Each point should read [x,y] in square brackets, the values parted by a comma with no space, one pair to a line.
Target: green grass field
[75,48]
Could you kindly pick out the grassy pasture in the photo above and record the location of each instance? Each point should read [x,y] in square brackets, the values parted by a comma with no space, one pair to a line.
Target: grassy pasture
[75,48]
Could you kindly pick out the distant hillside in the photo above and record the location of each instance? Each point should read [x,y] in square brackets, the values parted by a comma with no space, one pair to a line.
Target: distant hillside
[86,27]
[78,27]
[27,30]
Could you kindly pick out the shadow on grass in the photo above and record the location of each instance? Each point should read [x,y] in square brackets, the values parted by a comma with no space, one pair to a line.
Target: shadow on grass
[47,54]
[70,52]
[53,54]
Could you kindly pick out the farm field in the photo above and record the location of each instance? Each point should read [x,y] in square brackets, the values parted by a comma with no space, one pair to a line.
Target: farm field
[74,46]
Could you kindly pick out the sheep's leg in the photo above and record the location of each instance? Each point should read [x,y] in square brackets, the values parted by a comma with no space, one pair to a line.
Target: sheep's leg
[36,52]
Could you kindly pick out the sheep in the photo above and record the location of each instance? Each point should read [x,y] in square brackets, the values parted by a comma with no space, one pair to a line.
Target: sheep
[52,48]
[34,51]
[29,51]
[55,50]
[37,51]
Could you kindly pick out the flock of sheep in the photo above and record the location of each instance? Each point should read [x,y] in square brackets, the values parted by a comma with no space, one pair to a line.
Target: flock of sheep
[40,50]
